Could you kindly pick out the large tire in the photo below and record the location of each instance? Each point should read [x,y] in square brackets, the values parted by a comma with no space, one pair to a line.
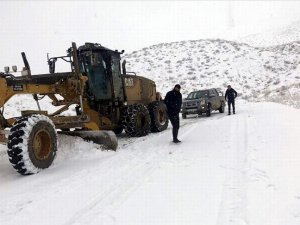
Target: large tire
[222,108]
[32,144]
[136,121]
[118,129]
[158,115]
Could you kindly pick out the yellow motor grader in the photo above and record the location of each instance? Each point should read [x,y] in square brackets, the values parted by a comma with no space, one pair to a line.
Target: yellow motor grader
[106,102]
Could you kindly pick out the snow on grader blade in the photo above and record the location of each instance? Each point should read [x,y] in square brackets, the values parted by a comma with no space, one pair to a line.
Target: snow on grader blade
[105,138]
[105,101]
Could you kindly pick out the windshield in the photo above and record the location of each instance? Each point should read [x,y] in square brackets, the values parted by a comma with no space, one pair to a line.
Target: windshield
[197,94]
[96,69]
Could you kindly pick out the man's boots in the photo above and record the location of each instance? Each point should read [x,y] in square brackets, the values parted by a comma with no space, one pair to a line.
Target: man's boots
[175,133]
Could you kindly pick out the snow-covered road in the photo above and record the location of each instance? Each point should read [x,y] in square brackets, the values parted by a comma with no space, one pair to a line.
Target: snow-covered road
[239,169]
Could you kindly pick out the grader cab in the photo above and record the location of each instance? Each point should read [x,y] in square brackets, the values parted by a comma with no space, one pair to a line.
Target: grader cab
[107,102]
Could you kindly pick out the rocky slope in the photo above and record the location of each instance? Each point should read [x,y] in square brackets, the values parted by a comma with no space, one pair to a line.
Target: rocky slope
[257,73]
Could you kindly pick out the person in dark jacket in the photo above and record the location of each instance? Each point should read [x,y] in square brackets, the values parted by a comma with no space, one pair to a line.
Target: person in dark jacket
[230,96]
[173,101]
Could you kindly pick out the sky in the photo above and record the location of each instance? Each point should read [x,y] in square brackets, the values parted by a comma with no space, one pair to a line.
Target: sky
[41,27]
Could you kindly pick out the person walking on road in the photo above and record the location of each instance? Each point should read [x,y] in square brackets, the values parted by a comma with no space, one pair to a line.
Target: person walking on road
[173,101]
[230,96]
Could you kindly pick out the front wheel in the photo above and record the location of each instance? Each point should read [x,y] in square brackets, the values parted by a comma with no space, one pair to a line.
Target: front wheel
[208,111]
[183,116]
[32,144]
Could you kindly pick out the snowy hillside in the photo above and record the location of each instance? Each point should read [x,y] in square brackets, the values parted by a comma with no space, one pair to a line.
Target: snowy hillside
[256,73]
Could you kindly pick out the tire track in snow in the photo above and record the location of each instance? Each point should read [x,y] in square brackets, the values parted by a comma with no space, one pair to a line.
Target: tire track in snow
[135,162]
[71,152]
[233,205]
[143,163]
[97,208]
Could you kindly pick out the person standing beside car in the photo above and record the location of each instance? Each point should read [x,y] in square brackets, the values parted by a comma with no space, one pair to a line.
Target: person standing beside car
[173,101]
[230,96]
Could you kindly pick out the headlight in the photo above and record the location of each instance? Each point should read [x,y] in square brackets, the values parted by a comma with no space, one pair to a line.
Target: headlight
[202,102]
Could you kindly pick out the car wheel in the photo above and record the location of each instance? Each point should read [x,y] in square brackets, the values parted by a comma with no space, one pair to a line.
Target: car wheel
[222,108]
[208,111]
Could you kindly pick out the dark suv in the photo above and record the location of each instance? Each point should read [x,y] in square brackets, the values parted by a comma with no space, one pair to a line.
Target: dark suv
[203,101]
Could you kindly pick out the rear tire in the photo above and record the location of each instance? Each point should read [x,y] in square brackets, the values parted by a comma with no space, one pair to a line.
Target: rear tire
[183,116]
[158,115]
[222,108]
[118,129]
[136,120]
[32,144]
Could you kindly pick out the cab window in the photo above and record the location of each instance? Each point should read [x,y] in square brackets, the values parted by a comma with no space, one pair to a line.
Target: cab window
[96,70]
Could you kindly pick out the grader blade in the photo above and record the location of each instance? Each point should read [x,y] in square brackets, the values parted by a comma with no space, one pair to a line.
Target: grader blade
[106,138]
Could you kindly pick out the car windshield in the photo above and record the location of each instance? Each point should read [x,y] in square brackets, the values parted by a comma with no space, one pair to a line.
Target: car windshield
[197,94]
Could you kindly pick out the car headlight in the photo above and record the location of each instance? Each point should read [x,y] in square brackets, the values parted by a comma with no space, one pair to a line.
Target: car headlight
[202,102]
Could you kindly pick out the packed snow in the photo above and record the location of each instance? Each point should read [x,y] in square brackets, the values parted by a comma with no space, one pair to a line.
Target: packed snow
[238,169]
